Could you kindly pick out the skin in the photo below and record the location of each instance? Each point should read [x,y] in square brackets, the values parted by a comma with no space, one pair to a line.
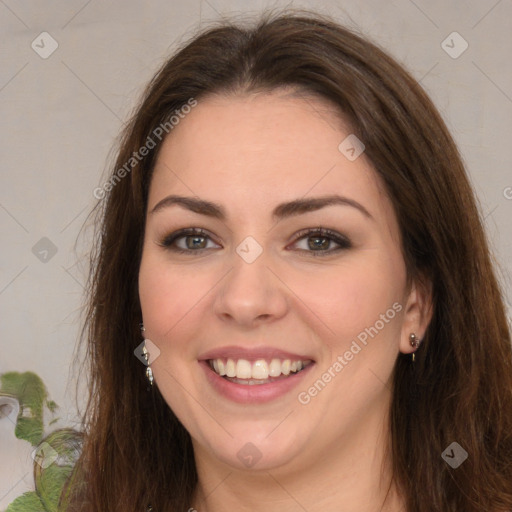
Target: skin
[250,153]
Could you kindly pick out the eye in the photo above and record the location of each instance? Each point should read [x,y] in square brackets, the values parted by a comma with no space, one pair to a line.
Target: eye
[317,241]
[188,240]
[321,241]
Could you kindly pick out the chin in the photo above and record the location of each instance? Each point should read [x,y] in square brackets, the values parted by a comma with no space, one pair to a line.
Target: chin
[253,451]
[254,445]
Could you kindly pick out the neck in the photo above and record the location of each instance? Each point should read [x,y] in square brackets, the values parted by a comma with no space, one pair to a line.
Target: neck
[355,475]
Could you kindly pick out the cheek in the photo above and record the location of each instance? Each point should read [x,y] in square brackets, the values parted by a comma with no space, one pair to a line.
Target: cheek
[161,304]
[171,298]
[353,296]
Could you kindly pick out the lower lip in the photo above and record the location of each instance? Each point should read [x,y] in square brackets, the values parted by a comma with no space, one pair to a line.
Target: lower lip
[257,393]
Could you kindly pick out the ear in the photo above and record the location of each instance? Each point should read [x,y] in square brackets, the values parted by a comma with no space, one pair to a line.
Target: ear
[418,313]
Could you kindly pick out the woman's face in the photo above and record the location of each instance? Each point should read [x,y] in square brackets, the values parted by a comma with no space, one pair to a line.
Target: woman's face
[262,289]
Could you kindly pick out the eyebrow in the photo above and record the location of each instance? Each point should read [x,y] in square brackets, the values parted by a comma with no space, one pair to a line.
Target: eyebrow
[284,210]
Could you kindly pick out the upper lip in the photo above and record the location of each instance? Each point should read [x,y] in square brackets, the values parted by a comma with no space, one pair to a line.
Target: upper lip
[252,354]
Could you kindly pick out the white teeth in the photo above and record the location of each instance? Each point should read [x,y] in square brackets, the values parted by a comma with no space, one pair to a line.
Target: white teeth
[230,368]
[243,369]
[260,370]
[275,368]
[222,367]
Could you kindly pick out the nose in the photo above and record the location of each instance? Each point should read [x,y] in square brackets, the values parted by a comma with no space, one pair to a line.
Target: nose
[250,294]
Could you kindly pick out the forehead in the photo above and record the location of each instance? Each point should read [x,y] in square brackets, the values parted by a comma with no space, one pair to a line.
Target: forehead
[261,149]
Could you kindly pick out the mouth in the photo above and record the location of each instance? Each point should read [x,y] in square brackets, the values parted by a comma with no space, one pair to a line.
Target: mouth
[258,372]
[252,376]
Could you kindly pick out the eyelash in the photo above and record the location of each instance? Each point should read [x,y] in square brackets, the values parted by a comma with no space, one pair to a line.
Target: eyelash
[342,241]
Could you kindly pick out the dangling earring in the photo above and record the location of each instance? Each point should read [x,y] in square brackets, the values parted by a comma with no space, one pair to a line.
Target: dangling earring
[145,353]
[415,342]
[149,371]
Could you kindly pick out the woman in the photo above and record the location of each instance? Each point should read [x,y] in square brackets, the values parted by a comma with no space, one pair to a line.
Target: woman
[289,239]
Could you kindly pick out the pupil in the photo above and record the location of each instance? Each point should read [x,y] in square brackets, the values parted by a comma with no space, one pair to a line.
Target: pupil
[319,243]
[196,242]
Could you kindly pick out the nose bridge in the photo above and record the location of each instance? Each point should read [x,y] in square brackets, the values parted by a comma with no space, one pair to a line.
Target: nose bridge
[250,292]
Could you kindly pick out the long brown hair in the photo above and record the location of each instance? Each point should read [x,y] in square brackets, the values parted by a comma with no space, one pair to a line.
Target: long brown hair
[136,452]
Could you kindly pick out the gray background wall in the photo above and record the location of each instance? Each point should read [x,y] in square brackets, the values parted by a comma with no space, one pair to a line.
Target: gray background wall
[61,114]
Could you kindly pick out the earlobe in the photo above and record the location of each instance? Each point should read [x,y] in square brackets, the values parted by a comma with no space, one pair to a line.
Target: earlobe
[417,316]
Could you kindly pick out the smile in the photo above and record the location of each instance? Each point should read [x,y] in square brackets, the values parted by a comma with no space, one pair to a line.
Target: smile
[254,375]
[261,371]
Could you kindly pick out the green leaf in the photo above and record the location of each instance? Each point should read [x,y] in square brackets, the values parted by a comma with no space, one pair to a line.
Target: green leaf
[62,449]
[51,484]
[51,405]
[32,395]
[28,502]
